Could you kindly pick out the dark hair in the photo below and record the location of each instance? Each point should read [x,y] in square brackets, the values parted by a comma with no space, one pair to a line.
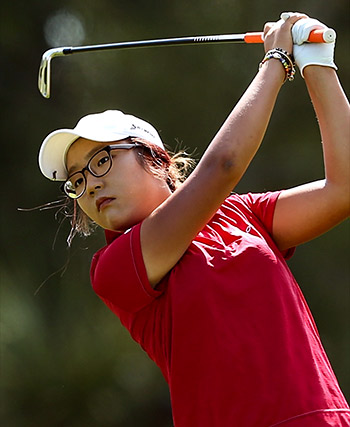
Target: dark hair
[171,167]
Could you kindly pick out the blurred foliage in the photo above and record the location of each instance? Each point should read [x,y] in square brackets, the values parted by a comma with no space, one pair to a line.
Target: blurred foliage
[65,359]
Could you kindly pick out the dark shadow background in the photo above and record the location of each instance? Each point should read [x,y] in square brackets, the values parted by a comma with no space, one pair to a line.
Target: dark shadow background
[65,359]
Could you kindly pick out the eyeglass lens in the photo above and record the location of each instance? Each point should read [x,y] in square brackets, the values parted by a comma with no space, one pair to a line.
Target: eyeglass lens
[98,166]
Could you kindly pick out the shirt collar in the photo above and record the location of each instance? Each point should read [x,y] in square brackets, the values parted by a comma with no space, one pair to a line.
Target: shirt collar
[111,235]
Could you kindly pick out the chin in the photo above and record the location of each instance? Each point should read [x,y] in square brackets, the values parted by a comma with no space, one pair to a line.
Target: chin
[113,220]
[117,225]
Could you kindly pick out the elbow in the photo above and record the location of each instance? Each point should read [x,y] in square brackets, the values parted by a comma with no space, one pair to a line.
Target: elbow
[347,208]
[221,168]
[230,167]
[344,210]
[340,199]
[346,203]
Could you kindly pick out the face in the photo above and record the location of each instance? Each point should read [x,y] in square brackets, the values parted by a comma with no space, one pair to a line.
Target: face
[126,195]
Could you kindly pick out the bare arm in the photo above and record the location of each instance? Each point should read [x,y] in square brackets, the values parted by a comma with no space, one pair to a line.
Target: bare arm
[305,212]
[168,231]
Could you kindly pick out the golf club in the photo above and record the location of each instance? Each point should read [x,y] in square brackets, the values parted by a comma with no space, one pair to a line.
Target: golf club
[316,36]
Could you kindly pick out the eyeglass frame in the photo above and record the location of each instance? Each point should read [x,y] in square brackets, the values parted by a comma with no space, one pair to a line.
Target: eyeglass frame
[108,149]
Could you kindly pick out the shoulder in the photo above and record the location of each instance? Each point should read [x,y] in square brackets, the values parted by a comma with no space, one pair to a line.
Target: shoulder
[257,208]
[254,202]
[118,272]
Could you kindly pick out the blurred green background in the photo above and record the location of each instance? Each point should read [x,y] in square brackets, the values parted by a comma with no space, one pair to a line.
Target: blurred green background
[65,359]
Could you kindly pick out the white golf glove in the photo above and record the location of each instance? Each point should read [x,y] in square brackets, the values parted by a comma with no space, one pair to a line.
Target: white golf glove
[311,53]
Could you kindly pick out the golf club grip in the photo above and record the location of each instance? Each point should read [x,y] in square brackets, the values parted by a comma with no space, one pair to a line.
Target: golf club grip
[324,35]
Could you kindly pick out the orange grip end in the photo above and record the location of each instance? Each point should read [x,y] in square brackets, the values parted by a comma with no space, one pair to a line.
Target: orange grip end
[254,38]
[316,36]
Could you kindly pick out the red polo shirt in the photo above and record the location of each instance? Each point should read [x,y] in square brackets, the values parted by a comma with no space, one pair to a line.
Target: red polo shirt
[228,326]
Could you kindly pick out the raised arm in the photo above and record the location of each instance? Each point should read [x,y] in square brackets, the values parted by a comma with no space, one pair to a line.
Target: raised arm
[168,231]
[307,211]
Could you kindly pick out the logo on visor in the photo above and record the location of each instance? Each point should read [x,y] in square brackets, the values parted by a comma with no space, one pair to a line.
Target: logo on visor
[133,127]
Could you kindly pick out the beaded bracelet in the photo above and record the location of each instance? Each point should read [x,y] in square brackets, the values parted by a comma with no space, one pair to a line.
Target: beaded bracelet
[286,60]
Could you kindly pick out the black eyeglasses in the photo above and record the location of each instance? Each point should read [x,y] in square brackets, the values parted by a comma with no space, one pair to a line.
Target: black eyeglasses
[99,165]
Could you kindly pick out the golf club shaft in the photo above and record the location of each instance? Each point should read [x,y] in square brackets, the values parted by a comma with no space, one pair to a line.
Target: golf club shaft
[316,36]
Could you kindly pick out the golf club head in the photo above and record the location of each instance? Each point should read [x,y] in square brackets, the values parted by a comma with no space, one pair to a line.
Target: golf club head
[45,70]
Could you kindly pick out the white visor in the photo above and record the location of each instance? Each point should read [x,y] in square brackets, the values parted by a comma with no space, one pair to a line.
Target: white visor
[109,126]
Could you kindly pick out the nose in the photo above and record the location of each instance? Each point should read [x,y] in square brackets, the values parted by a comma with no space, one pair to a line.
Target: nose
[93,183]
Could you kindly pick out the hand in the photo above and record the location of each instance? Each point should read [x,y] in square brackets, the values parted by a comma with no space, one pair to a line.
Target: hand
[279,34]
[311,53]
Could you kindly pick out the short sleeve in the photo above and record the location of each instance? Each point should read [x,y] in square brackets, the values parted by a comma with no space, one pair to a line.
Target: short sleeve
[263,206]
[118,273]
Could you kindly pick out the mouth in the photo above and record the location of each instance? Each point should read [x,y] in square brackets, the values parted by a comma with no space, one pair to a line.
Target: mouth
[102,202]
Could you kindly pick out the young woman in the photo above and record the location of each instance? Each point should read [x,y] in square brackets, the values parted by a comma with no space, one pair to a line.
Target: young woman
[198,276]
